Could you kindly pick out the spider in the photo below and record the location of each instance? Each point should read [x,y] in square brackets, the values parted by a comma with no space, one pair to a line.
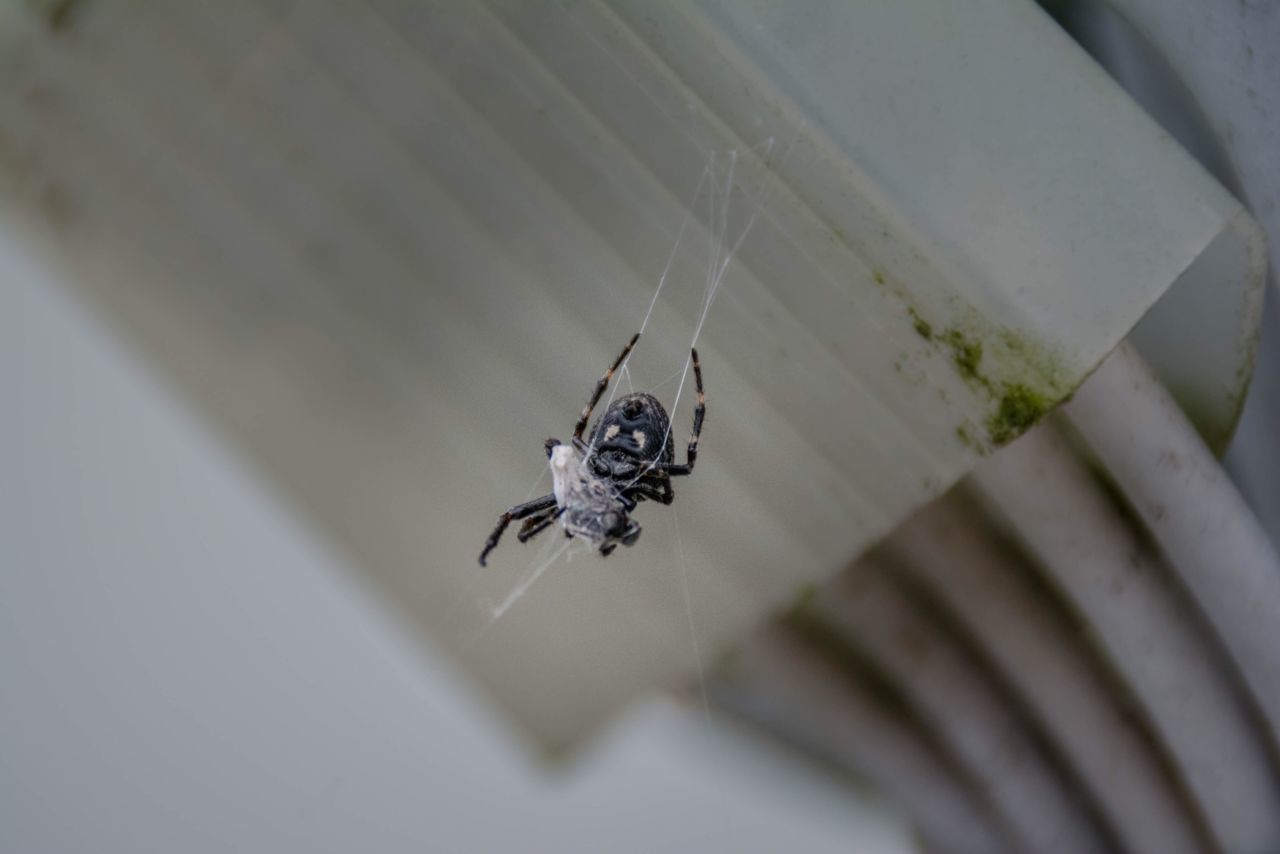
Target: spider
[597,484]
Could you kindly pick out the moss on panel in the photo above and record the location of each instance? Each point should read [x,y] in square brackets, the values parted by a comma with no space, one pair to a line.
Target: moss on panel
[966,355]
[923,328]
[966,437]
[1020,407]
[1020,377]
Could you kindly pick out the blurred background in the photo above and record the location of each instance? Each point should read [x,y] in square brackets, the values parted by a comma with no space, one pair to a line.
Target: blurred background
[292,293]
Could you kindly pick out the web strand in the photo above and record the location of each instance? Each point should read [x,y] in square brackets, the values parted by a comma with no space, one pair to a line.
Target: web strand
[717,267]
[688,610]
[662,279]
[720,197]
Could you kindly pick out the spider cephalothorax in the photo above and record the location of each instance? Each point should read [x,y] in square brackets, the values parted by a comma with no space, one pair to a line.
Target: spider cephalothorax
[597,484]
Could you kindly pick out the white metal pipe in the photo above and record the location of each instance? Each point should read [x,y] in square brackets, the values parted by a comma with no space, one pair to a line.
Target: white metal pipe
[1055,506]
[779,681]
[1202,524]
[950,546]
[956,697]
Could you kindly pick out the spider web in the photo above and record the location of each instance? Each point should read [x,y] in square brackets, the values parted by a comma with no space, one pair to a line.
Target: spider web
[730,212]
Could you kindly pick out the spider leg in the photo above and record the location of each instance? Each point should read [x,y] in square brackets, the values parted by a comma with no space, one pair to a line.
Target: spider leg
[601,385]
[529,523]
[652,489]
[520,511]
[668,494]
[535,525]
[699,412]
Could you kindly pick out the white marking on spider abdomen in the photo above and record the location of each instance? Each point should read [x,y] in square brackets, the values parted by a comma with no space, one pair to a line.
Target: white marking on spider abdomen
[611,431]
[639,437]
[589,508]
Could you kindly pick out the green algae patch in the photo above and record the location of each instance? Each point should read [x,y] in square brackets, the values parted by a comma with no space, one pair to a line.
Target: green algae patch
[966,355]
[1020,379]
[1020,407]
[921,326]
[967,439]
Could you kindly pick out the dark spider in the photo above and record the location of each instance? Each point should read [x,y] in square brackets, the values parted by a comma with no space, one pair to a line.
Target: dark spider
[598,483]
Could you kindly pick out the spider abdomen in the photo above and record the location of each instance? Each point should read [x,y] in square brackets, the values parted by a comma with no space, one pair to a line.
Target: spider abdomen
[632,432]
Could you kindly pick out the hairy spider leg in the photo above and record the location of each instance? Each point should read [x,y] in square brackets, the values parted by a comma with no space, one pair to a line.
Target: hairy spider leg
[520,511]
[601,385]
[653,488]
[699,412]
[535,519]
[535,525]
